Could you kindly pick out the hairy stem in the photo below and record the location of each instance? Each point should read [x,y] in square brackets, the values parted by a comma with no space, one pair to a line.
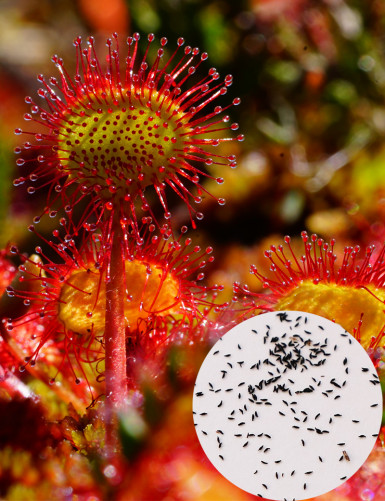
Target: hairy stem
[115,336]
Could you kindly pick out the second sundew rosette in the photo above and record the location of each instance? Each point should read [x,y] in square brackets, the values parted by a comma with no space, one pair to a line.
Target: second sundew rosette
[346,287]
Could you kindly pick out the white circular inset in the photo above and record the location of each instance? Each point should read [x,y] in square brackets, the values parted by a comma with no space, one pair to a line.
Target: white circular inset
[287,405]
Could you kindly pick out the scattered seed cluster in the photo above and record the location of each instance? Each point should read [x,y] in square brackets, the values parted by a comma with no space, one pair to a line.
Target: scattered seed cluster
[287,405]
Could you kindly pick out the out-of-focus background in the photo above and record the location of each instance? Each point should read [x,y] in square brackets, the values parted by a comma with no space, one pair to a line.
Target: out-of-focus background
[311,76]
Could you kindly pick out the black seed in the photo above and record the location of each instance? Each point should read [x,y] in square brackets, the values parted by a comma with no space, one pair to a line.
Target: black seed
[308,472]
[199,394]
[292,473]
[216,352]
[219,405]
[265,486]
[245,444]
[220,431]
[319,457]
[221,457]
[303,442]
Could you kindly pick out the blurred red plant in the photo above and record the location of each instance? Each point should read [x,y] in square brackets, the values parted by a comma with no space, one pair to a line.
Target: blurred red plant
[66,297]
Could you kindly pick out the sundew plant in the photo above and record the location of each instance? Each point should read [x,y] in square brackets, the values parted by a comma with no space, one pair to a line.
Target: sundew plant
[106,137]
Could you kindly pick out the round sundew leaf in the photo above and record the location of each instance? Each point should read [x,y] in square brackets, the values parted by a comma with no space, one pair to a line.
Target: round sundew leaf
[287,405]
